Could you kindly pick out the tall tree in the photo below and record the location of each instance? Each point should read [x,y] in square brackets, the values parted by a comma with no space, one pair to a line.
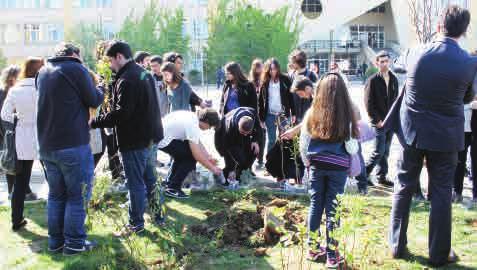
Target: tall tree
[424,16]
[241,32]
[86,36]
[156,31]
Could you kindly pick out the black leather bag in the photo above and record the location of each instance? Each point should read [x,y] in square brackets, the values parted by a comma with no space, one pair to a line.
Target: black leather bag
[8,153]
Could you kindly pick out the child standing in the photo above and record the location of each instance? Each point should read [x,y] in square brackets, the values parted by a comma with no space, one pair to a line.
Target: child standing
[327,125]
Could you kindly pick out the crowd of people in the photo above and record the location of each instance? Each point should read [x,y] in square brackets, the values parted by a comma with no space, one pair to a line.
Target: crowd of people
[60,116]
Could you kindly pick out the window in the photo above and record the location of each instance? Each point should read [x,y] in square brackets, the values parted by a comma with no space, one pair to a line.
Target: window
[82,4]
[32,33]
[108,30]
[54,32]
[311,9]
[53,3]
[31,4]
[373,35]
[3,33]
[8,4]
[104,3]
[379,9]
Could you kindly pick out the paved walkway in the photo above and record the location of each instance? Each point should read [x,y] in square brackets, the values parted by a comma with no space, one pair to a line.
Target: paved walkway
[40,186]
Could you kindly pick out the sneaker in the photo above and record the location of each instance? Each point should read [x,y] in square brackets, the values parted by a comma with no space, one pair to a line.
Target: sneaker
[128,230]
[334,262]
[316,255]
[88,246]
[57,249]
[19,226]
[174,193]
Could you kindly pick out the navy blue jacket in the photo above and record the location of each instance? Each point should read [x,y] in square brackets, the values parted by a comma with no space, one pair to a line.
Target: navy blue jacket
[439,81]
[65,93]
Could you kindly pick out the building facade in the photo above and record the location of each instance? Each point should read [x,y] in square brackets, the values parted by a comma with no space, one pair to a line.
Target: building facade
[33,27]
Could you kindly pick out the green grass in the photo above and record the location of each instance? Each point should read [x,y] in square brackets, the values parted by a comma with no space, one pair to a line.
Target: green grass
[362,237]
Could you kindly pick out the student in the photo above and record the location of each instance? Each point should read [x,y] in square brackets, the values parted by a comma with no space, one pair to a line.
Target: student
[237,141]
[135,116]
[182,142]
[21,104]
[297,63]
[328,124]
[238,91]
[254,76]
[180,94]
[143,59]
[275,103]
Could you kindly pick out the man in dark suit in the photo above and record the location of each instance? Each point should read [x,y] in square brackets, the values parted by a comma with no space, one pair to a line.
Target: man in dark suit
[431,126]
[236,140]
[380,93]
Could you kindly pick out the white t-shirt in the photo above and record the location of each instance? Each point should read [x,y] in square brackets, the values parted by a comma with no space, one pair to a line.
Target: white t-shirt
[180,125]
[274,98]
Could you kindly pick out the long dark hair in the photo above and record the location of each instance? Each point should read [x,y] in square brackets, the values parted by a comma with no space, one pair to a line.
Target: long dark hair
[253,76]
[267,70]
[331,112]
[171,67]
[236,71]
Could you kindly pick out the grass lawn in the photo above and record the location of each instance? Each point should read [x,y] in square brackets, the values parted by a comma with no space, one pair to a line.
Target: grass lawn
[178,245]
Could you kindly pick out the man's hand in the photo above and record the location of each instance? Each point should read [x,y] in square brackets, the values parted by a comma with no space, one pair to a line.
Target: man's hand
[255,148]
[293,120]
[379,124]
[216,170]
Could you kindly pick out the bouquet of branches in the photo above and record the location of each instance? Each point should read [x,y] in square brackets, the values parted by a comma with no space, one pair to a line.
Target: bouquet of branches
[104,71]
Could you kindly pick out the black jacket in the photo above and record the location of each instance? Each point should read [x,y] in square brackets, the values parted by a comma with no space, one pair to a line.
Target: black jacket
[247,96]
[378,98]
[135,113]
[286,98]
[228,134]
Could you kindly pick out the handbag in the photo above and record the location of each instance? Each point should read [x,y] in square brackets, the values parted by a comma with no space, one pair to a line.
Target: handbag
[351,145]
[355,165]
[8,153]
[366,132]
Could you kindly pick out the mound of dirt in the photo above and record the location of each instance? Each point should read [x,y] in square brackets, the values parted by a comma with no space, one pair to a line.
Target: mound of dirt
[240,226]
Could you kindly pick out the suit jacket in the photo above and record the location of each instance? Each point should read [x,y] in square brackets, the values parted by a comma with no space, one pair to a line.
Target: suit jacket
[247,96]
[286,98]
[378,97]
[228,134]
[439,81]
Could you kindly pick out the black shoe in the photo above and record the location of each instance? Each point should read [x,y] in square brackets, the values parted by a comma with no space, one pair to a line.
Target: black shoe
[19,226]
[385,182]
[452,258]
[174,193]
[88,246]
[57,249]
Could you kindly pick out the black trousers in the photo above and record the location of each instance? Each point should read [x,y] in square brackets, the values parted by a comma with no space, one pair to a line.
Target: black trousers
[20,189]
[441,168]
[262,137]
[238,158]
[115,165]
[11,183]
[183,162]
[461,165]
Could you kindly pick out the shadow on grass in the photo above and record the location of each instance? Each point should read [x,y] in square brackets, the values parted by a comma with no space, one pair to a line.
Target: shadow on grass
[424,262]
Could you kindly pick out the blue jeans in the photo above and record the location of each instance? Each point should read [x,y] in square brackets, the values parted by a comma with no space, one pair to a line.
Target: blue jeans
[362,178]
[271,124]
[69,172]
[379,157]
[325,186]
[141,182]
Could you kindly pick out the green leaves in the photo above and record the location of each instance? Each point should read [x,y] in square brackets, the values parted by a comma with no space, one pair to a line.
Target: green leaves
[246,32]
[156,31]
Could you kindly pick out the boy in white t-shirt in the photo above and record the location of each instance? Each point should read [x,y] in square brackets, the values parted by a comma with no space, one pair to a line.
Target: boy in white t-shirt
[182,142]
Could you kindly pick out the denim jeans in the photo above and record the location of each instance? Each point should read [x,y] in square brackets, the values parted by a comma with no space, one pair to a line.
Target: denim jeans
[69,173]
[362,178]
[141,182]
[271,124]
[379,157]
[182,163]
[325,186]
